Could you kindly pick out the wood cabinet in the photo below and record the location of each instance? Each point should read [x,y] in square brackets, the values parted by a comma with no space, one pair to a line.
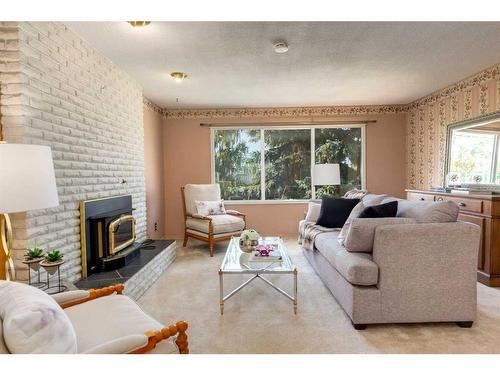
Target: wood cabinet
[484,211]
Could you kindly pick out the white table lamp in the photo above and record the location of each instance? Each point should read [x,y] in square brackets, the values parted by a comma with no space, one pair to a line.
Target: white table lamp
[27,182]
[326,174]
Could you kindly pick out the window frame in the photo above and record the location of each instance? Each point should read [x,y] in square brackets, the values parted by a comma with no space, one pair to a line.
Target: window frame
[494,156]
[262,128]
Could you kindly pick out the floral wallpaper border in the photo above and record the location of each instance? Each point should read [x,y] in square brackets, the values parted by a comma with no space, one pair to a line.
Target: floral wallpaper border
[154,107]
[285,111]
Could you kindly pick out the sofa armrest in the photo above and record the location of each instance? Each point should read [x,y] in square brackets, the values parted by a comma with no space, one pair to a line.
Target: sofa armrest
[93,294]
[235,213]
[154,337]
[70,296]
[121,345]
[425,268]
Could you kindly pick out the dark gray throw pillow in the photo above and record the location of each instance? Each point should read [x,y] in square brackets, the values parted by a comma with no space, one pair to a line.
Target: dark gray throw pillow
[335,211]
[389,209]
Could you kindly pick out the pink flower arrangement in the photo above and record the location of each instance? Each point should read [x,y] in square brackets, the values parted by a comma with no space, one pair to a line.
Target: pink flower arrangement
[264,250]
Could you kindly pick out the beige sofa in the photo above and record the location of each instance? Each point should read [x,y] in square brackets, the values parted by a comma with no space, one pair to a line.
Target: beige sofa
[418,271]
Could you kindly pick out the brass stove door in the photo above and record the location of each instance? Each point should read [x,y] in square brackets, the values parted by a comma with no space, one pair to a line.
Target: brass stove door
[121,233]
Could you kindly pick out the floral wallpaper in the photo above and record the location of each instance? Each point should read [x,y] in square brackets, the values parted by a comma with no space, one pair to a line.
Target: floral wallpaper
[429,117]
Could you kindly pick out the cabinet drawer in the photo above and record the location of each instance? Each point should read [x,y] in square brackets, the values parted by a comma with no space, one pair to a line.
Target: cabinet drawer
[420,197]
[465,204]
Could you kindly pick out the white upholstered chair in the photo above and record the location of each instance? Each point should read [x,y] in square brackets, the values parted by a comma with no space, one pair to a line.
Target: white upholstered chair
[104,322]
[210,228]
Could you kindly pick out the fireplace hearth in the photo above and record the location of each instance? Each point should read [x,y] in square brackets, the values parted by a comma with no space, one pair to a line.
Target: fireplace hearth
[107,234]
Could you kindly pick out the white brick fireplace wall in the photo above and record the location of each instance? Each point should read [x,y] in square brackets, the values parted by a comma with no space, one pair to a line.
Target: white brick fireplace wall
[56,90]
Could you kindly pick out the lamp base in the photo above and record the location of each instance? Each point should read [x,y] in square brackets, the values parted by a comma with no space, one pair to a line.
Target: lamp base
[7,270]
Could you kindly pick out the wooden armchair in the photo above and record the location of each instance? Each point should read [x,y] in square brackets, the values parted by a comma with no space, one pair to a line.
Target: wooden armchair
[107,322]
[212,228]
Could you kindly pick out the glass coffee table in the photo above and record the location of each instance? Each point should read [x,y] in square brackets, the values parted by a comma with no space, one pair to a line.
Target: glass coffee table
[237,262]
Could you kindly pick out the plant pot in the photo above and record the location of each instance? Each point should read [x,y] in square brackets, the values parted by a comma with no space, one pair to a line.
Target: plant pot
[247,246]
[51,267]
[34,263]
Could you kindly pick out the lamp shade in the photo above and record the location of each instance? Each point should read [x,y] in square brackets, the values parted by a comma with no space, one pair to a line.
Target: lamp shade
[326,174]
[27,179]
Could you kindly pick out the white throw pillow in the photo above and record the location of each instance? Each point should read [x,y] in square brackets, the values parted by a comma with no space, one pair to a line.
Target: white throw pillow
[207,208]
[313,212]
[33,322]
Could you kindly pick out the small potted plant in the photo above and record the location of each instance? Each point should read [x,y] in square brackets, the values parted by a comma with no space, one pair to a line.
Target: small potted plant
[33,257]
[249,240]
[53,259]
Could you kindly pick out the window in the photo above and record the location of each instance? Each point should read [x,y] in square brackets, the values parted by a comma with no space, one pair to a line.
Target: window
[274,164]
[288,164]
[341,146]
[237,163]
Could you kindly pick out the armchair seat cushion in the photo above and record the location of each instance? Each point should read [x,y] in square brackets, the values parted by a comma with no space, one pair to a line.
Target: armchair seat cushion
[221,224]
[113,317]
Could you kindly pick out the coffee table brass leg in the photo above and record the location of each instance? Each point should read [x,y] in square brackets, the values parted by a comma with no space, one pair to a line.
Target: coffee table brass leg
[295,291]
[221,291]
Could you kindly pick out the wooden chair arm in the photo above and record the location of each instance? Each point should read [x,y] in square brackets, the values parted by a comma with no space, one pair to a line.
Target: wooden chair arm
[155,337]
[235,213]
[199,217]
[96,293]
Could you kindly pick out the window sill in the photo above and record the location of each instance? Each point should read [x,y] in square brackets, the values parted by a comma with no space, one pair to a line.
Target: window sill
[276,202]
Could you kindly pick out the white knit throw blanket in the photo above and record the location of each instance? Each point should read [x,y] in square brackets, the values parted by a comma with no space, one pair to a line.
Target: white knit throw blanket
[308,232]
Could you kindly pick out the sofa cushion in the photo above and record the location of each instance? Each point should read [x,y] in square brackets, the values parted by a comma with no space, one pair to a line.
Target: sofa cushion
[362,232]
[389,209]
[116,316]
[221,224]
[366,201]
[335,211]
[357,268]
[33,322]
[429,212]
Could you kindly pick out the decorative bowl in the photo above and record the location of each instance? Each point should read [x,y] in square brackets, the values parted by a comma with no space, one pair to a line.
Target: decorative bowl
[247,246]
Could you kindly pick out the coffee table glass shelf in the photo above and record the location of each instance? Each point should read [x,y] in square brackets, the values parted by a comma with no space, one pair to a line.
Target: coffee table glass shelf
[238,262]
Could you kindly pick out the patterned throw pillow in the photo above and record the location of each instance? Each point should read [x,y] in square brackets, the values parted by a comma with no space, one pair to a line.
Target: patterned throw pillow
[207,208]
[355,194]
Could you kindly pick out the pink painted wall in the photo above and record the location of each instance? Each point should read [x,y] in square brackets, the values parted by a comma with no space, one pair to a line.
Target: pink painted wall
[187,160]
[154,173]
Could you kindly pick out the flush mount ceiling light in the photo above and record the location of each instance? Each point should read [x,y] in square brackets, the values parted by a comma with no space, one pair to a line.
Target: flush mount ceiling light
[139,24]
[178,76]
[280,47]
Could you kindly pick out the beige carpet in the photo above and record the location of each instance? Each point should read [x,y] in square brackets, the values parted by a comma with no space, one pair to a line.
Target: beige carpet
[260,320]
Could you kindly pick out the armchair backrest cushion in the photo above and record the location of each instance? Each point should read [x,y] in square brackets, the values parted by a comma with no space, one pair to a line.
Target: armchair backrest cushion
[199,192]
[33,322]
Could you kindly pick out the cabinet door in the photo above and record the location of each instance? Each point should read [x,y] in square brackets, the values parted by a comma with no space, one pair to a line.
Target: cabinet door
[481,251]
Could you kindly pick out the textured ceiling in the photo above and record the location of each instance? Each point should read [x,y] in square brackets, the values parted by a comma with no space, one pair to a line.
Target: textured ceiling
[233,64]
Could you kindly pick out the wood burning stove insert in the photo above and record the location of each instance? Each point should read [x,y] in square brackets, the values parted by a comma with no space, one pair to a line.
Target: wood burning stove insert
[107,234]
